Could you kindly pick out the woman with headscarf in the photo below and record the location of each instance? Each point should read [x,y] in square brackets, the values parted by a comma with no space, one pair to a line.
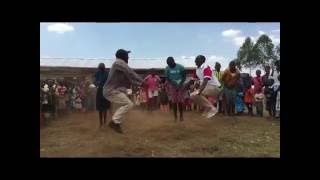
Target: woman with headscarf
[102,104]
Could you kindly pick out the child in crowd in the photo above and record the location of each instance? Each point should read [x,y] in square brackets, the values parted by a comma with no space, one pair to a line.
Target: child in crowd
[187,101]
[61,98]
[248,99]
[136,96]
[45,106]
[259,97]
[78,103]
[194,90]
[269,95]
[239,104]
[164,100]
[73,98]
[276,98]
[143,98]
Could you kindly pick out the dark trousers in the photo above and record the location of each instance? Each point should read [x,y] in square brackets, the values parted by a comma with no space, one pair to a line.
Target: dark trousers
[259,108]
[249,106]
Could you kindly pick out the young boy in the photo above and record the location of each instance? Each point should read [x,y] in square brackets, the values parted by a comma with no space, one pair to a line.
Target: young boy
[239,103]
[78,103]
[143,98]
[239,98]
[248,100]
[187,101]
[164,101]
[259,97]
[194,90]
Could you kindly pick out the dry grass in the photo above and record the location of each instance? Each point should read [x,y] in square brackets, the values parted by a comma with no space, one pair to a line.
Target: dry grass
[156,135]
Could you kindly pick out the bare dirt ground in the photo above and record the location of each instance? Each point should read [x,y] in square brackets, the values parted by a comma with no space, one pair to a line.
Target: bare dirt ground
[155,134]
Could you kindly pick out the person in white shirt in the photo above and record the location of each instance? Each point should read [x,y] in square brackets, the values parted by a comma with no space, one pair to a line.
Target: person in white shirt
[275,73]
[209,86]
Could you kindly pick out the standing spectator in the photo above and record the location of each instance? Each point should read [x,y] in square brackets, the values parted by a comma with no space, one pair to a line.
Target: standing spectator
[167,89]
[69,94]
[53,98]
[188,102]
[91,96]
[277,97]
[83,97]
[102,104]
[143,98]
[230,78]
[270,97]
[73,97]
[259,97]
[61,96]
[176,76]
[78,103]
[152,81]
[257,81]
[275,72]
[121,77]
[275,75]
[239,99]
[163,98]
[248,99]
[268,81]
[221,97]
[194,91]
[45,100]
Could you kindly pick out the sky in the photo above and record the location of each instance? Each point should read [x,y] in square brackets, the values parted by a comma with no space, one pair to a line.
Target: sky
[217,41]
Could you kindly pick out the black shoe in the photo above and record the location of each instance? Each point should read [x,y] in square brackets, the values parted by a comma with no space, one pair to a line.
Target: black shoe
[116,127]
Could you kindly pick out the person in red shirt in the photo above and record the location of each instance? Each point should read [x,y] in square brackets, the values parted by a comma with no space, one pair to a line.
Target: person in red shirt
[248,99]
[257,81]
[152,82]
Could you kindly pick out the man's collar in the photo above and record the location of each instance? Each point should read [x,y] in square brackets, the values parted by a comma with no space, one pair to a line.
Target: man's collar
[202,66]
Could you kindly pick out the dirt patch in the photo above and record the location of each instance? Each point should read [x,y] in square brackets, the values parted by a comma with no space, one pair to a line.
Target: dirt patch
[155,134]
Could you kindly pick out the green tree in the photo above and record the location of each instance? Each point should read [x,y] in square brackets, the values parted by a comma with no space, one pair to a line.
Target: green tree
[277,55]
[263,50]
[277,52]
[245,55]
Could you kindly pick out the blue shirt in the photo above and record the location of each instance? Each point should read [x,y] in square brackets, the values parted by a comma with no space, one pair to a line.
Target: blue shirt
[100,78]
